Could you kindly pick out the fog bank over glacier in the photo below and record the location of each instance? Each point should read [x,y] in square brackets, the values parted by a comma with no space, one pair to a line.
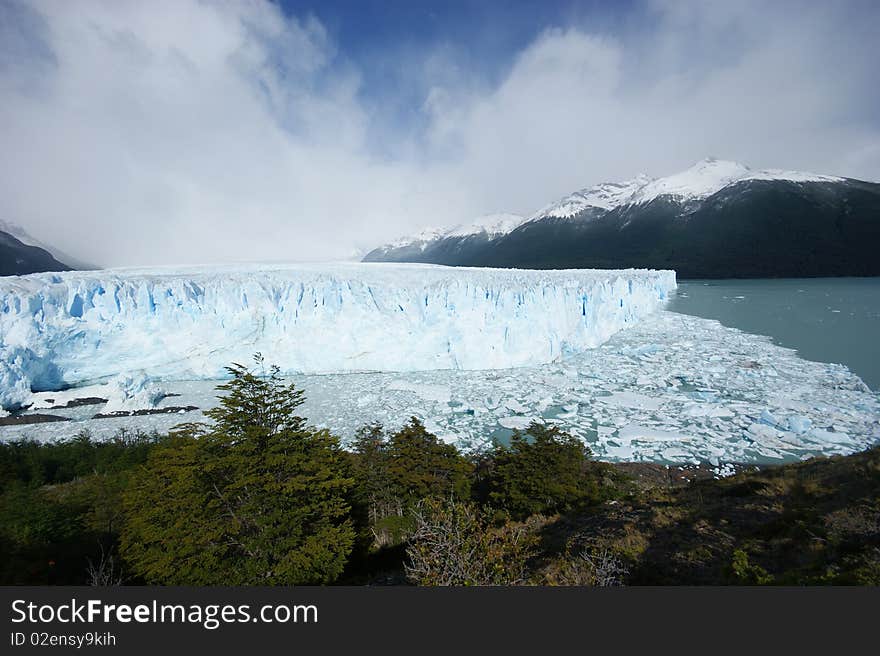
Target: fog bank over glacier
[75,328]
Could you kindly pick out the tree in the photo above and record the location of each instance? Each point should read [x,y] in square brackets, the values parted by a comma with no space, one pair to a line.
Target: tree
[544,470]
[421,466]
[258,498]
[394,473]
[43,535]
[379,511]
[373,479]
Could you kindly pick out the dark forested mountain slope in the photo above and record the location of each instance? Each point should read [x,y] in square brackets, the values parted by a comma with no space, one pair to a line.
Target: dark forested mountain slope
[716,220]
[17,258]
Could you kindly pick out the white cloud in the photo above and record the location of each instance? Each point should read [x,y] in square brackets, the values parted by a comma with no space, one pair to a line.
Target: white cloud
[193,132]
[140,133]
[763,85]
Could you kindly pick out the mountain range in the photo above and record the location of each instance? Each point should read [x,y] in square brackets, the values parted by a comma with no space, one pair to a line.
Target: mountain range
[717,219]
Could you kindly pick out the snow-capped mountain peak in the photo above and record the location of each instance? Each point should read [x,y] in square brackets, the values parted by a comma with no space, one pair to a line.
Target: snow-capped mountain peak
[702,179]
[422,237]
[711,175]
[491,224]
[605,196]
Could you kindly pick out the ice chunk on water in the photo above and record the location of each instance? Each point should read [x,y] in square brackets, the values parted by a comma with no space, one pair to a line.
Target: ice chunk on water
[770,419]
[632,400]
[127,393]
[516,422]
[515,406]
[821,435]
[632,432]
[437,393]
[799,424]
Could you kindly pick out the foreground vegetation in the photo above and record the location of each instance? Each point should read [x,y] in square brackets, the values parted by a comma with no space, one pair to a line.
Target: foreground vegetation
[260,498]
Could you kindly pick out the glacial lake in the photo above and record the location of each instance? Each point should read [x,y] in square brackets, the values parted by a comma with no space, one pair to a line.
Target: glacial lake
[824,319]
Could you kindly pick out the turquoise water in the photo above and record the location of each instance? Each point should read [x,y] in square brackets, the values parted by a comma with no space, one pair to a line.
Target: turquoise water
[825,319]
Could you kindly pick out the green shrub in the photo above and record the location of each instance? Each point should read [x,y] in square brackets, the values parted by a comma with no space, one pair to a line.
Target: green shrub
[420,466]
[747,573]
[544,471]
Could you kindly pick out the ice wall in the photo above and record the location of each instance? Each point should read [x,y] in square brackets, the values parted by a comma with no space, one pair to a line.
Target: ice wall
[80,327]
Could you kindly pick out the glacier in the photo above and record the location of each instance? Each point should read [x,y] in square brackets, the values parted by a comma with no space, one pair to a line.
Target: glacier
[59,330]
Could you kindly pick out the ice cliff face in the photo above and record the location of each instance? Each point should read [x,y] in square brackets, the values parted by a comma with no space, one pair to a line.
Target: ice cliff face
[79,327]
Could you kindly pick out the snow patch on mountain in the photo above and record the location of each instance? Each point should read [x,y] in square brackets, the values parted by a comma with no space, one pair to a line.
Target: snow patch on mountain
[703,179]
[791,176]
[421,238]
[711,176]
[604,196]
[491,225]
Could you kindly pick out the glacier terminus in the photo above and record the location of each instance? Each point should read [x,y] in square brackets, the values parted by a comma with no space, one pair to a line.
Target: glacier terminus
[59,330]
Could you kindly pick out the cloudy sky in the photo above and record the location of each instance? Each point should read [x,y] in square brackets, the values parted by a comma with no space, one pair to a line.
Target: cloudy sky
[178,131]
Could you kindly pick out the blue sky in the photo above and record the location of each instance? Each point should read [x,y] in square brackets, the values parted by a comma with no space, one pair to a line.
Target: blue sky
[482,37]
[308,130]
[489,33]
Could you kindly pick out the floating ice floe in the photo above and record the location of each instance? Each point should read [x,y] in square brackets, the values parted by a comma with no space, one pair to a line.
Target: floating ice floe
[127,393]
